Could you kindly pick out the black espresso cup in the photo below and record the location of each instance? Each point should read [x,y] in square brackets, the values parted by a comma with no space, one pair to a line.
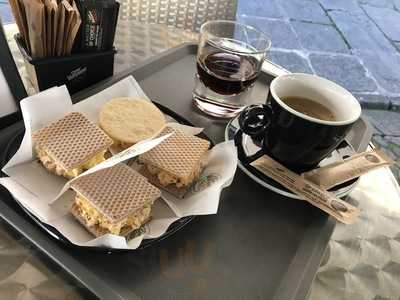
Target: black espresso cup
[293,130]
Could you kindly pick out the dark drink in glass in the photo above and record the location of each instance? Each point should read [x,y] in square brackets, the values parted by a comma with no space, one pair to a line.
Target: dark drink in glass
[229,59]
[226,73]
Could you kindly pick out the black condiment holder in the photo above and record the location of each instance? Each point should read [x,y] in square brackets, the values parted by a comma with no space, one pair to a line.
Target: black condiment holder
[76,71]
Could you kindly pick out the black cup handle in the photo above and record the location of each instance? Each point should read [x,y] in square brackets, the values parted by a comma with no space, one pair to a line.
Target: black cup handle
[254,121]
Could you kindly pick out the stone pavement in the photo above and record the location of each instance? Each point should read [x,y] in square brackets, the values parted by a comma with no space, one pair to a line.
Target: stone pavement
[355,43]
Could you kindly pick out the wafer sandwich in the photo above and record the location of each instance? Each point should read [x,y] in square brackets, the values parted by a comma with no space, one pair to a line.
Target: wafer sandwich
[176,162]
[130,120]
[71,145]
[116,200]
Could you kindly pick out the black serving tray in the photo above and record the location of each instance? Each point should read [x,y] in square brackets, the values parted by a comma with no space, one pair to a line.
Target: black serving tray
[260,245]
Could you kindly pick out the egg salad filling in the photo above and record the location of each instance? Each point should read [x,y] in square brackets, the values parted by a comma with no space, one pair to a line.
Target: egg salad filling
[165,178]
[53,167]
[93,217]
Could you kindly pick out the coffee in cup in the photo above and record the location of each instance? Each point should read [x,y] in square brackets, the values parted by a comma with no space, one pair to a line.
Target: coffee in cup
[304,119]
[310,108]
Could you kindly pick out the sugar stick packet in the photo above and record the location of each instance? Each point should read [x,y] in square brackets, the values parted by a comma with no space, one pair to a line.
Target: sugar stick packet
[50,9]
[60,29]
[35,17]
[25,24]
[339,209]
[54,28]
[76,23]
[69,16]
[46,29]
[352,167]
[18,11]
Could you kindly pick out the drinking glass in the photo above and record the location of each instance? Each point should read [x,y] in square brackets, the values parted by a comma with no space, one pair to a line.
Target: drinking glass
[229,60]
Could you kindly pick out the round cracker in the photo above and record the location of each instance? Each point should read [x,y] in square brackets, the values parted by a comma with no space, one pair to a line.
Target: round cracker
[131,119]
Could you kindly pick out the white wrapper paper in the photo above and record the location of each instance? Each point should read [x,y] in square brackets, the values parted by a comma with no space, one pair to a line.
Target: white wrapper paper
[47,196]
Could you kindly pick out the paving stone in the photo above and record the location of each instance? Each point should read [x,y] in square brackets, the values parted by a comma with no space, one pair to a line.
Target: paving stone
[397,44]
[378,3]
[347,5]
[360,32]
[290,61]
[387,19]
[387,122]
[395,104]
[373,101]
[384,67]
[280,32]
[345,70]
[396,4]
[309,11]
[5,13]
[318,37]
[261,8]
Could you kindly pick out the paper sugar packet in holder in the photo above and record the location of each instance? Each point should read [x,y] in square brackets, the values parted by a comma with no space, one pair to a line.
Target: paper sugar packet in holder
[48,28]
[51,198]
